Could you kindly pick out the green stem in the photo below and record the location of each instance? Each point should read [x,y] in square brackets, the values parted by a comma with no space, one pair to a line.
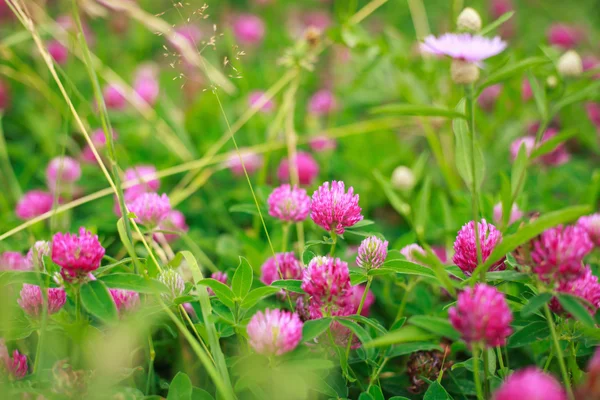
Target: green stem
[486,373]
[403,302]
[476,376]
[334,239]
[151,357]
[358,311]
[469,93]
[376,373]
[6,165]
[285,232]
[501,361]
[559,353]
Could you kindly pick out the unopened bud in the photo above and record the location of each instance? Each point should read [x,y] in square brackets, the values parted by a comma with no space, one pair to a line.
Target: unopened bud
[552,81]
[403,178]
[469,20]
[463,72]
[570,64]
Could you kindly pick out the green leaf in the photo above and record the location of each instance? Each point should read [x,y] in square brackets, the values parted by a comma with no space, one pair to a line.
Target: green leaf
[518,173]
[510,276]
[242,279]
[535,303]
[258,294]
[418,110]
[409,348]
[403,335]
[18,277]
[222,291]
[125,239]
[245,209]
[398,398]
[436,392]
[201,394]
[464,151]
[134,282]
[365,396]
[534,332]
[395,201]
[539,95]
[359,332]
[494,25]
[180,388]
[292,285]
[361,224]
[314,328]
[548,145]
[405,268]
[376,392]
[576,96]
[574,307]
[530,231]
[422,210]
[511,70]
[97,300]
[435,325]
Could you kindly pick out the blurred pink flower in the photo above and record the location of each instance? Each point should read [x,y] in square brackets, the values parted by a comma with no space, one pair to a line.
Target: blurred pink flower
[35,255]
[558,253]
[218,276]
[281,266]
[58,51]
[290,204]
[334,209]
[593,113]
[274,332]
[586,287]
[465,249]
[16,367]
[463,46]
[322,143]
[256,96]
[4,95]
[356,294]
[146,84]
[62,170]
[307,167]
[410,250]
[33,204]
[31,300]
[99,140]
[248,29]
[175,221]
[526,92]
[515,214]
[252,162]
[14,261]
[591,225]
[322,102]
[114,97]
[564,36]
[530,384]
[125,300]
[489,95]
[559,155]
[481,314]
[150,208]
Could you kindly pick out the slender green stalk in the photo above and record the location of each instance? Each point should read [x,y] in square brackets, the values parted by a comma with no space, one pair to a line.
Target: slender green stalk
[469,94]
[476,376]
[15,188]
[559,353]
[407,290]
[501,361]
[334,240]
[151,357]
[285,232]
[486,373]
[358,311]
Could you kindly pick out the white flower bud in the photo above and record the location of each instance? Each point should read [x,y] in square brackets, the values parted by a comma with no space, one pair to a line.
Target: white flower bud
[403,178]
[469,20]
[570,64]
[463,72]
[552,81]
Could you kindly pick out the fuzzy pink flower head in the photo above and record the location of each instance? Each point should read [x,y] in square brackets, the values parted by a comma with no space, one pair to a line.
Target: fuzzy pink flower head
[591,62]
[482,315]
[500,7]
[16,367]
[252,162]
[321,143]
[410,250]
[175,221]
[319,20]
[326,279]
[558,253]
[593,112]
[4,96]
[333,209]
[31,300]
[515,214]
[274,332]
[58,52]
[322,102]
[559,155]
[78,255]
[372,252]
[146,84]
[125,300]
[14,261]
[191,33]
[67,23]
[281,266]
[530,384]
[357,293]
[35,255]
[465,248]
[150,208]
[257,96]
[463,46]
[144,177]
[218,276]
[527,141]
[248,29]
[489,95]
[564,36]
[288,203]
[64,169]
[306,165]
[586,287]
[441,253]
[591,224]
[114,97]
[33,204]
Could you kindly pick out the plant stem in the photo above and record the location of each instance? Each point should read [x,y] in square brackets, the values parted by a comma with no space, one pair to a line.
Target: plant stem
[151,356]
[486,373]
[285,231]
[334,239]
[403,302]
[476,376]
[358,311]
[469,94]
[559,353]
[501,361]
